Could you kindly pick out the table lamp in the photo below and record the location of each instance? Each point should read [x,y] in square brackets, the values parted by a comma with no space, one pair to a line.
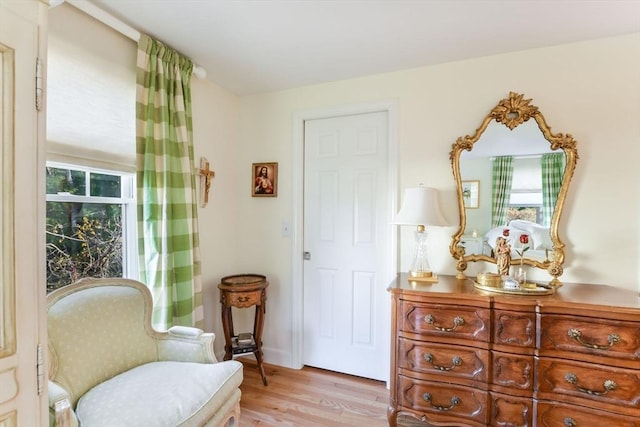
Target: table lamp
[420,208]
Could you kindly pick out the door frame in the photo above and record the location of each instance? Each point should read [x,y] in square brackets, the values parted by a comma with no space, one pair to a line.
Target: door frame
[297,294]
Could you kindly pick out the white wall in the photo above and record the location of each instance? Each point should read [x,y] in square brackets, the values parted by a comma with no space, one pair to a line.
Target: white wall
[215,125]
[589,89]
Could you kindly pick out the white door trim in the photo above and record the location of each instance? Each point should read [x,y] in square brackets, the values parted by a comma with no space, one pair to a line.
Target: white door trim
[297,296]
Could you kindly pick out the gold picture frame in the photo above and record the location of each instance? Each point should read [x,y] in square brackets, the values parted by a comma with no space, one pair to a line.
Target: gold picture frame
[264,179]
[471,194]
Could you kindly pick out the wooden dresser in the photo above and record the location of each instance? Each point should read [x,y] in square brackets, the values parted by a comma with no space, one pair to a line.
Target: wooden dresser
[465,357]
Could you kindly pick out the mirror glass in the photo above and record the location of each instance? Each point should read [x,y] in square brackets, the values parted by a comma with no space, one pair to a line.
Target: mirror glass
[512,176]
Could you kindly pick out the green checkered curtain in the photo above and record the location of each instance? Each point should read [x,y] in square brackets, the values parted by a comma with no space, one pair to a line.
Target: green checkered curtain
[501,189]
[552,173]
[168,242]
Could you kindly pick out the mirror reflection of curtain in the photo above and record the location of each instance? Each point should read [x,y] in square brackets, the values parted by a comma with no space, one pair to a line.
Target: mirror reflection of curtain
[501,189]
[552,173]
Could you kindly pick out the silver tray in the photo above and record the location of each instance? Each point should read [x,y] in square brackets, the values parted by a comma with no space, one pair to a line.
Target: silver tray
[530,289]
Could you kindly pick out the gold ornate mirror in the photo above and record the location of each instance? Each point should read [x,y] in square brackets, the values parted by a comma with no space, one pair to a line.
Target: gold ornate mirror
[512,178]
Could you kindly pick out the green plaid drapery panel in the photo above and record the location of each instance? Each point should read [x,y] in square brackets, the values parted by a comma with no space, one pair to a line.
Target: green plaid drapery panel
[552,174]
[501,189]
[168,242]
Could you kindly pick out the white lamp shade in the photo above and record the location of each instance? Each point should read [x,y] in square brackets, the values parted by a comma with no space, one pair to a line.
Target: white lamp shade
[420,207]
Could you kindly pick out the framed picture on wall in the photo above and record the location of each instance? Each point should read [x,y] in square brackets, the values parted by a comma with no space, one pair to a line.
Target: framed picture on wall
[471,194]
[264,182]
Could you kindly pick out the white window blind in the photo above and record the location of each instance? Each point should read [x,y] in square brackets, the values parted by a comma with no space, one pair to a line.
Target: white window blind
[526,185]
[91,89]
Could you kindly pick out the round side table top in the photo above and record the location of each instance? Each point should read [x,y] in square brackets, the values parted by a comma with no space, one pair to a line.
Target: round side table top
[243,282]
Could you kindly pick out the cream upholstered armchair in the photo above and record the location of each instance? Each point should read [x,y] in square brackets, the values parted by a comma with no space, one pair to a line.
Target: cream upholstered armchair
[108,367]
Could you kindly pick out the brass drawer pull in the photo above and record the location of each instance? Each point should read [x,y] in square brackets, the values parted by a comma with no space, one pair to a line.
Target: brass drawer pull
[455,400]
[457,361]
[243,299]
[570,422]
[457,321]
[609,385]
[577,335]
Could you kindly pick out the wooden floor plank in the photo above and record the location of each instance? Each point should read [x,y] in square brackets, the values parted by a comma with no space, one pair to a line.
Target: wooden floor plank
[312,397]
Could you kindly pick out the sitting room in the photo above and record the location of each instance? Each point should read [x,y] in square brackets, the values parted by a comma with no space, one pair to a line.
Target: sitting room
[314,213]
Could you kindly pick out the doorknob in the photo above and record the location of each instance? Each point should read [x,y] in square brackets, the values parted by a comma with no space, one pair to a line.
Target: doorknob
[306,255]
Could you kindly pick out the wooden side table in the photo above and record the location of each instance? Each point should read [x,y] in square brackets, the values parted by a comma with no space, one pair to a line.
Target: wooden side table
[244,291]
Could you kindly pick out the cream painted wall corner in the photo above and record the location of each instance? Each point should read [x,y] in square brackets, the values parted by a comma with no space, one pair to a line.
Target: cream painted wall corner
[215,128]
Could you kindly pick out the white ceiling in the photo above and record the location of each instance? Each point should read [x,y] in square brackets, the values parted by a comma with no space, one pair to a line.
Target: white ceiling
[254,46]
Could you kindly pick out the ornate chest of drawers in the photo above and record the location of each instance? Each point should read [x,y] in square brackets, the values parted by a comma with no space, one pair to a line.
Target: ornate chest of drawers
[461,357]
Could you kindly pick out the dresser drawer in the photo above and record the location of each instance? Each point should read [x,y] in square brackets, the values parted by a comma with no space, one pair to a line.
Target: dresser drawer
[513,371]
[587,383]
[443,399]
[514,328]
[510,410]
[592,336]
[443,360]
[457,321]
[563,415]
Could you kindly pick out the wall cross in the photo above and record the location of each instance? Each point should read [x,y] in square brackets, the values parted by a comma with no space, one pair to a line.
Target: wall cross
[206,176]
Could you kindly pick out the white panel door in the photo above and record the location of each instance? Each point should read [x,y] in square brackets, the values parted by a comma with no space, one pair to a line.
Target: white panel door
[346,233]
[21,291]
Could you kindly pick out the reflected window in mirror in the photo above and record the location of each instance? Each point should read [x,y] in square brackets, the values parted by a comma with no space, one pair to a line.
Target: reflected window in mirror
[533,191]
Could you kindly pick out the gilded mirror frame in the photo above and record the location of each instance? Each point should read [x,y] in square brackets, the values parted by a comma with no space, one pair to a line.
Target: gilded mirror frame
[512,112]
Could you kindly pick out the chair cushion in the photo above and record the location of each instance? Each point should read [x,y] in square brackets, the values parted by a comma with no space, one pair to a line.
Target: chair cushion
[159,394]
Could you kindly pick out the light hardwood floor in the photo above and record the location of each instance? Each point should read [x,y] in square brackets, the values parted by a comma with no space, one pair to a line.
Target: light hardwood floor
[312,397]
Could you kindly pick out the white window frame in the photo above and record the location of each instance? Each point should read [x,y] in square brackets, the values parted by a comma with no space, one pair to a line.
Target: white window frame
[127,200]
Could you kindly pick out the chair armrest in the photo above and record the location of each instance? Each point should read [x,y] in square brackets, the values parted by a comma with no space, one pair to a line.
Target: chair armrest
[60,411]
[186,344]
[185,332]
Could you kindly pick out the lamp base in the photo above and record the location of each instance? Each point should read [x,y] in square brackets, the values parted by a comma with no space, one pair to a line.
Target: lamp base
[422,276]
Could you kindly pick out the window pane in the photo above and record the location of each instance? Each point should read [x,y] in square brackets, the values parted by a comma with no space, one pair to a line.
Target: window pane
[66,181]
[103,185]
[83,240]
[528,213]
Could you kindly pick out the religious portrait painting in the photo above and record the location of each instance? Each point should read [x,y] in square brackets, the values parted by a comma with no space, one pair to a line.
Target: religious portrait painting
[264,181]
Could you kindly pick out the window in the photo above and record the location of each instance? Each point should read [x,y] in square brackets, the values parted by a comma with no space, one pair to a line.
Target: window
[526,190]
[528,213]
[91,212]
[90,225]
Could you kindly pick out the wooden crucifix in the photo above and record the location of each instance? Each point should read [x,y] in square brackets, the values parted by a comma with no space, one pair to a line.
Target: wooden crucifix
[206,176]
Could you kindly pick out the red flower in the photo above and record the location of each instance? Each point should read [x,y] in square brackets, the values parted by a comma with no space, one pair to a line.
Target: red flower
[524,239]
[505,232]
